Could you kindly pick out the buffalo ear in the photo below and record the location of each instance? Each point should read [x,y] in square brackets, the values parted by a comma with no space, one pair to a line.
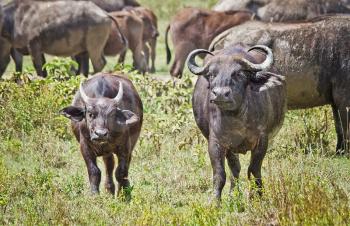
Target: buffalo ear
[131,117]
[75,114]
[261,77]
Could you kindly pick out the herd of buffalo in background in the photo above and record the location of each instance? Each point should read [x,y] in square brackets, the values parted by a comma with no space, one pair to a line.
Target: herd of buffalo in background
[261,57]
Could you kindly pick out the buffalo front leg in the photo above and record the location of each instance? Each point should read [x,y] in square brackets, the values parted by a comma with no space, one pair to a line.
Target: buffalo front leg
[122,172]
[122,56]
[235,167]
[217,159]
[256,159]
[109,163]
[18,58]
[83,63]
[92,168]
[146,51]
[37,58]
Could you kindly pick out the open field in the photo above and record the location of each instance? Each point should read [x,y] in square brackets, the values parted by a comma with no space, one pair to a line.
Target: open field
[43,178]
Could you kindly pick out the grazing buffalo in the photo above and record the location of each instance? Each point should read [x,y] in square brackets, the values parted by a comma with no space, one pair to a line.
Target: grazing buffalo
[106,116]
[285,10]
[194,28]
[150,34]
[313,55]
[58,28]
[108,5]
[131,27]
[239,106]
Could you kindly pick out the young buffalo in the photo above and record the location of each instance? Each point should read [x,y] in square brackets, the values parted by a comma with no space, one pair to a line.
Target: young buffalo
[106,116]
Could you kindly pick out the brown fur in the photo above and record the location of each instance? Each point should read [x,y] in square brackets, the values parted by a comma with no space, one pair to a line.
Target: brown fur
[194,28]
[132,28]
[150,34]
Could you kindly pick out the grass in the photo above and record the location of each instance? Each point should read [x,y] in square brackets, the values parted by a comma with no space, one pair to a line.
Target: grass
[43,178]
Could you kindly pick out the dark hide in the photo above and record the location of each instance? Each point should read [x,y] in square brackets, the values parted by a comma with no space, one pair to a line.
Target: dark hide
[313,55]
[106,128]
[237,110]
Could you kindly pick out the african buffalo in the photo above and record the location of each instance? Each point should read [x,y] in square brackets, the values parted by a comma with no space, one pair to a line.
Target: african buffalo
[106,116]
[150,33]
[194,28]
[285,10]
[108,5]
[131,27]
[58,28]
[313,55]
[239,106]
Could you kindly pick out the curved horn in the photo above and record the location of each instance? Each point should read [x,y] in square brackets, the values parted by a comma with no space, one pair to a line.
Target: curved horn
[191,62]
[264,65]
[119,96]
[83,95]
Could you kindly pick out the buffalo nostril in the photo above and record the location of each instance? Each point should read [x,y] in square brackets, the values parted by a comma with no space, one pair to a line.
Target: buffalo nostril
[101,133]
[227,93]
[215,94]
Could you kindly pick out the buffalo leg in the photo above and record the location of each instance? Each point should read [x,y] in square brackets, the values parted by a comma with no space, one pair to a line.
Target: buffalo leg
[153,46]
[235,167]
[122,55]
[146,51]
[139,61]
[181,52]
[83,63]
[4,61]
[339,130]
[122,171]
[18,58]
[37,58]
[217,159]
[109,163]
[256,160]
[93,170]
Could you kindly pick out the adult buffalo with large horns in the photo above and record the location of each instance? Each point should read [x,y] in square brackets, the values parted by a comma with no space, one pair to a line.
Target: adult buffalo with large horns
[106,116]
[238,105]
[314,57]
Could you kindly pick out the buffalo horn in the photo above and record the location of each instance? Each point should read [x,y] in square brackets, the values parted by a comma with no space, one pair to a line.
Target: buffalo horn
[264,65]
[191,62]
[119,96]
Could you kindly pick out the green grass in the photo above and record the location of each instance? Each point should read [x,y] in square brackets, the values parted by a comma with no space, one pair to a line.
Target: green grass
[43,178]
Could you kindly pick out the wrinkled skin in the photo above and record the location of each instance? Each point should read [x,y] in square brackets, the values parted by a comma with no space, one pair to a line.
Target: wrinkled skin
[80,27]
[194,28]
[131,28]
[237,110]
[316,68]
[150,34]
[285,10]
[105,128]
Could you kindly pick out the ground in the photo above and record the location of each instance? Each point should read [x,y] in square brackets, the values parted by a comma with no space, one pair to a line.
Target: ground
[43,178]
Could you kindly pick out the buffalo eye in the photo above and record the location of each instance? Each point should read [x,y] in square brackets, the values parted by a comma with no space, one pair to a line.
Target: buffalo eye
[91,115]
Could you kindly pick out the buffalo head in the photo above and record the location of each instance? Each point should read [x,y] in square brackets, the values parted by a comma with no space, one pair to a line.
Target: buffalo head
[230,75]
[102,116]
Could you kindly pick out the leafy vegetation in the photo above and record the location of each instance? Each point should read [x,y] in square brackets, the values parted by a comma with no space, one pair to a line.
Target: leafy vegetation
[43,178]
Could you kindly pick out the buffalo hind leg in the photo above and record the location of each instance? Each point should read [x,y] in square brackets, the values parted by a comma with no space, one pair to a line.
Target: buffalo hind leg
[37,58]
[122,56]
[153,46]
[83,63]
[256,160]
[122,173]
[339,130]
[235,167]
[146,51]
[109,164]
[217,159]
